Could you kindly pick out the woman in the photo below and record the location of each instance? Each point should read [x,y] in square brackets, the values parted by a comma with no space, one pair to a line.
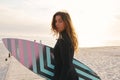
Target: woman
[64,49]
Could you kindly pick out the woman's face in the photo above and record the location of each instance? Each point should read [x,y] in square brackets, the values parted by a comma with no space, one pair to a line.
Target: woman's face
[59,23]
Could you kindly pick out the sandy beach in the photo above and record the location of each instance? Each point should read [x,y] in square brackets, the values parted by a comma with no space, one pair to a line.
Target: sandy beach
[105,61]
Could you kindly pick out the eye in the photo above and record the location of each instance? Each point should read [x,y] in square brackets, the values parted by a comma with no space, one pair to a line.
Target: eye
[55,21]
[60,21]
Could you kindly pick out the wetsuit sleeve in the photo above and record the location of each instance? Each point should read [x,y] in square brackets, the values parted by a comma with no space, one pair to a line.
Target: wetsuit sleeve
[66,59]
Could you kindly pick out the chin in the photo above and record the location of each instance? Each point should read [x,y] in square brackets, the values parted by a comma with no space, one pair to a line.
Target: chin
[59,31]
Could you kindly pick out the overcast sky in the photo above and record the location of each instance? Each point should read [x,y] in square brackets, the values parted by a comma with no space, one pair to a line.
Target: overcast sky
[95,21]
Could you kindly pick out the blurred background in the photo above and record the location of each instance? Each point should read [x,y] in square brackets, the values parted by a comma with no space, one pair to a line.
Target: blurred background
[97,22]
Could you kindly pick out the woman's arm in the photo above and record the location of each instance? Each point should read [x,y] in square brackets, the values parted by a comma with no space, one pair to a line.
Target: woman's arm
[66,59]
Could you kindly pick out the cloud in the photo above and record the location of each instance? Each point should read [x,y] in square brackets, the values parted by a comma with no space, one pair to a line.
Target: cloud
[117,17]
[17,17]
[28,13]
[18,20]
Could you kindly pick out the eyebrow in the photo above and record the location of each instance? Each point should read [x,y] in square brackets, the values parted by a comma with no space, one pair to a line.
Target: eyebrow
[60,19]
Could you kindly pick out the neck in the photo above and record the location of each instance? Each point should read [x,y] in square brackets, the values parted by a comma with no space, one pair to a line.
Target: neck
[60,36]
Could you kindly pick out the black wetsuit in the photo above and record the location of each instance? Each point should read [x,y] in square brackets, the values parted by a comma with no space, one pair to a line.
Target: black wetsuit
[63,53]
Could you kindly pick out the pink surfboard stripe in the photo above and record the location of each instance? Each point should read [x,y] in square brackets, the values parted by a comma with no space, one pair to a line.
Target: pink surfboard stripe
[13,47]
[29,54]
[21,51]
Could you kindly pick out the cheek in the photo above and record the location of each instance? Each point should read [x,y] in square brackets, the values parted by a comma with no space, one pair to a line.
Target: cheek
[63,26]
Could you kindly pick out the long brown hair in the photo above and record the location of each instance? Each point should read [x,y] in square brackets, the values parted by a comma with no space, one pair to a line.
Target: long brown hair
[69,28]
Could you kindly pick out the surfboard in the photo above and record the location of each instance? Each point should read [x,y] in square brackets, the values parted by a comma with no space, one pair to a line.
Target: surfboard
[39,58]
